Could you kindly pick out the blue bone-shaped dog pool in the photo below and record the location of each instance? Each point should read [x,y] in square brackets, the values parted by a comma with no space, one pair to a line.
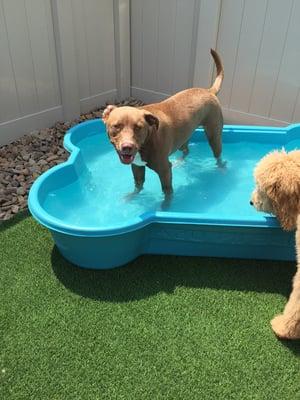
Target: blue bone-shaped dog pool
[95,224]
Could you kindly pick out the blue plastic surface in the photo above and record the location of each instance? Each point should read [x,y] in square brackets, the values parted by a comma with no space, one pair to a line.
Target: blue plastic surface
[95,224]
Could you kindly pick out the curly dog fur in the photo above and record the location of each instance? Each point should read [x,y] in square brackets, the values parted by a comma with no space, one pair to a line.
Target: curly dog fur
[277,191]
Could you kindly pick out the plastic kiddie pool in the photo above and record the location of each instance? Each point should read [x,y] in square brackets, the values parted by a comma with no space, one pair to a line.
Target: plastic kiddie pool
[84,202]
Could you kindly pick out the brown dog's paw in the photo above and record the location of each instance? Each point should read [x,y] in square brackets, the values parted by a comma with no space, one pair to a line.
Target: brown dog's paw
[286,328]
[107,111]
[221,163]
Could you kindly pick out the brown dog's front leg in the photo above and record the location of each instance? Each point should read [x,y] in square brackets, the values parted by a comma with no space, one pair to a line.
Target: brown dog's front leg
[139,177]
[165,176]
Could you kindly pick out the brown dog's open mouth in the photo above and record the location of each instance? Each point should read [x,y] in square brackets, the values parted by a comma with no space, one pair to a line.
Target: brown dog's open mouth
[126,158]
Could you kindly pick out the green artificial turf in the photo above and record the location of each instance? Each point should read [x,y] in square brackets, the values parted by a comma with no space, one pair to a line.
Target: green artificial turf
[159,328]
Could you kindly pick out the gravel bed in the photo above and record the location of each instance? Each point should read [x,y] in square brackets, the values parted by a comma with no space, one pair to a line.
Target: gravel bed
[22,161]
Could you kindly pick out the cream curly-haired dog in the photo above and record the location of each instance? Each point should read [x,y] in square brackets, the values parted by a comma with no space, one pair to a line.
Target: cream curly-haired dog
[277,191]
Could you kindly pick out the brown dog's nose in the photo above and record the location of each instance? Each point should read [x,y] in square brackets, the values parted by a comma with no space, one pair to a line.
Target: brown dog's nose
[251,203]
[127,148]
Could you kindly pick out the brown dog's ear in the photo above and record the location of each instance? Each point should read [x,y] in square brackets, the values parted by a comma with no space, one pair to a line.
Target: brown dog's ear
[106,112]
[152,120]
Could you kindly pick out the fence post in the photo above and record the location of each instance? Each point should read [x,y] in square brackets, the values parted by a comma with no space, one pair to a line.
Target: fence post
[66,57]
[122,47]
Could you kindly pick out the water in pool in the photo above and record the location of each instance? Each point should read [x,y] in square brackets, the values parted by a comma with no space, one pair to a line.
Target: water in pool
[100,197]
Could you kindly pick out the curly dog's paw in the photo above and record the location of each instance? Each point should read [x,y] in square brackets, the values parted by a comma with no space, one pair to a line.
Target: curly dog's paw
[286,328]
[107,111]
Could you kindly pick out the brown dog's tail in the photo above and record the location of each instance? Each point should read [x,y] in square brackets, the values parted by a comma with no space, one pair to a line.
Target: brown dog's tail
[220,73]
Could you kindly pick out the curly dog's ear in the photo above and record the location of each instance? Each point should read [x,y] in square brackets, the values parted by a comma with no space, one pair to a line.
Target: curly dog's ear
[286,208]
[278,174]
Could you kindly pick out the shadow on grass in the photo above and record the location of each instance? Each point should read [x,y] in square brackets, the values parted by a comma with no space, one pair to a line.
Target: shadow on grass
[15,220]
[149,275]
[292,345]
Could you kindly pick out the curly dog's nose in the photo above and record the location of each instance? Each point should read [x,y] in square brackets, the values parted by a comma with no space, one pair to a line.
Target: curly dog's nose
[251,203]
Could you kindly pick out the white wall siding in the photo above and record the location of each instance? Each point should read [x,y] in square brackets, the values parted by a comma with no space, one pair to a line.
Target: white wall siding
[9,102]
[208,16]
[262,60]
[270,56]
[63,57]
[95,58]
[162,34]
[136,42]
[28,83]
[29,86]
[171,41]
[288,81]
[165,47]
[257,40]
[183,39]
[57,60]
[248,46]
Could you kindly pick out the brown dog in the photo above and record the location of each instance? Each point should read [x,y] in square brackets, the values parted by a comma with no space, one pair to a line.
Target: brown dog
[277,191]
[147,135]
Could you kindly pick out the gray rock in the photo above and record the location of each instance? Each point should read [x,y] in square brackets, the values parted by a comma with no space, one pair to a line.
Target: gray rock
[21,190]
[15,209]
[52,157]
[42,162]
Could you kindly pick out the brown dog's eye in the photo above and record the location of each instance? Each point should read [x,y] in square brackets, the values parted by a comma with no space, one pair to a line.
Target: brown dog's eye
[116,127]
[137,128]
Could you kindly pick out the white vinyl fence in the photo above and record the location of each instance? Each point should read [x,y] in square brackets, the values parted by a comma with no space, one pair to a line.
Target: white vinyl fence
[59,58]
[62,57]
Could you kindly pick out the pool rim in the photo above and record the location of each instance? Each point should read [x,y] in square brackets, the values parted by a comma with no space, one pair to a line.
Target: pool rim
[147,218]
